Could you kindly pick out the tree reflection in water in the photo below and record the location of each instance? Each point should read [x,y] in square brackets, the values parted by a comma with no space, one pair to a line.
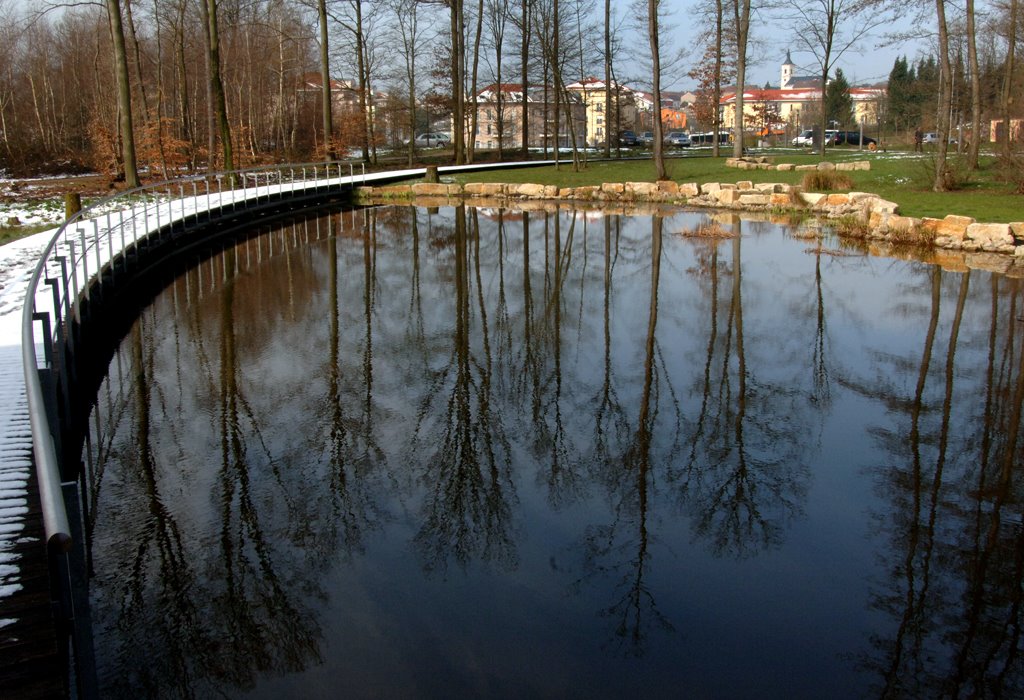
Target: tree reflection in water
[744,477]
[359,419]
[467,508]
[955,566]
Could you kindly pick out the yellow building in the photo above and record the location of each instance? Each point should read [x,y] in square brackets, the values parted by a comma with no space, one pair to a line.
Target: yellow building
[797,102]
[626,105]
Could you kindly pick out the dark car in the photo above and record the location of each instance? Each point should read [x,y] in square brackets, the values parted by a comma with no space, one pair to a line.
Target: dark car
[627,138]
[851,138]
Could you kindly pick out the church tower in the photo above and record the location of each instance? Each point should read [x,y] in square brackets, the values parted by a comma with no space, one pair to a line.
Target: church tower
[786,73]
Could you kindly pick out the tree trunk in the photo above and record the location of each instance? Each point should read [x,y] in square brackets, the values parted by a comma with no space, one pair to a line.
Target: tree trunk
[361,67]
[607,76]
[945,95]
[473,82]
[972,58]
[124,94]
[652,35]
[741,11]
[458,89]
[1007,106]
[716,122]
[325,83]
[525,57]
[556,74]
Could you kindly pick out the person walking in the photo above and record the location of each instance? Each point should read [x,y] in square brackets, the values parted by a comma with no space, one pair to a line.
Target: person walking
[918,140]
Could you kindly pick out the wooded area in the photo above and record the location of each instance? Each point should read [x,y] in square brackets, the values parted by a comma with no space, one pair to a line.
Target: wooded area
[151,88]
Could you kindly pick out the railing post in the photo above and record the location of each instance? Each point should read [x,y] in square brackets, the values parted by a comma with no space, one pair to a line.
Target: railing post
[96,244]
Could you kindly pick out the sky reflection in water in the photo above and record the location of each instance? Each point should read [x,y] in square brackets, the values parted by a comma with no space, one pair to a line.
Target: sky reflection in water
[440,453]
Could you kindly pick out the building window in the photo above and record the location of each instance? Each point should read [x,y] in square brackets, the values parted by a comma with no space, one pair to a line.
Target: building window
[600,106]
[600,120]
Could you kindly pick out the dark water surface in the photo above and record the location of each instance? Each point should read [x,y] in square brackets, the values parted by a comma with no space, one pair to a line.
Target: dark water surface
[451,453]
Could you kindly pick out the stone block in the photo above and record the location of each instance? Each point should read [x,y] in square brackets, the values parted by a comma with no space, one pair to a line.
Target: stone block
[862,165]
[825,165]
[613,187]
[765,166]
[903,224]
[878,219]
[838,200]
[952,227]
[641,189]
[727,196]
[430,189]
[744,185]
[781,199]
[551,191]
[689,189]
[709,187]
[846,167]
[669,187]
[1017,229]
[811,199]
[785,167]
[755,200]
[586,192]
[884,205]
[989,235]
[857,197]
[805,168]
[768,187]
[484,189]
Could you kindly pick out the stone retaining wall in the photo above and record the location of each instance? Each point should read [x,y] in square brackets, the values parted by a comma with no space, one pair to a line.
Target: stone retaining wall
[862,213]
[765,163]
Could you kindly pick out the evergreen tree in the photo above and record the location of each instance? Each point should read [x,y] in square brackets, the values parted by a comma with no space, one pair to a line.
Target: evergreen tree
[926,87]
[838,103]
[902,107]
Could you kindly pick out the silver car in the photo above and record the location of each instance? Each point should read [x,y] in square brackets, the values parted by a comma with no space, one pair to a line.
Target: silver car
[433,139]
[679,139]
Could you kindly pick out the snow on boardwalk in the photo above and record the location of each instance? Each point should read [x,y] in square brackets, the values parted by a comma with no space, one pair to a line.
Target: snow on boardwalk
[15,465]
[17,261]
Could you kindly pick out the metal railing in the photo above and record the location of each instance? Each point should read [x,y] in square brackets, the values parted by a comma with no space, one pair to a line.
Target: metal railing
[89,252]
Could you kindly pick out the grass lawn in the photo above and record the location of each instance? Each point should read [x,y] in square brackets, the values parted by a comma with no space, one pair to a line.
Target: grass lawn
[899,176]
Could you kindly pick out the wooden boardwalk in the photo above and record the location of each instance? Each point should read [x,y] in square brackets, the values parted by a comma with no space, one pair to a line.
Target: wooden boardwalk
[30,666]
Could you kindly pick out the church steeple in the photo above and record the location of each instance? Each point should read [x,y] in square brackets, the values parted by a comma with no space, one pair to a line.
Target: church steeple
[786,72]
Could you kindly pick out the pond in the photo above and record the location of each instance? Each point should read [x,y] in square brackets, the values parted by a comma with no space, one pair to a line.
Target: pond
[409,452]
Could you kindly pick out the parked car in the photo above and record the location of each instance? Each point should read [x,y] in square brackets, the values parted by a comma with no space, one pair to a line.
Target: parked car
[433,139]
[851,138]
[627,138]
[646,138]
[678,139]
[804,138]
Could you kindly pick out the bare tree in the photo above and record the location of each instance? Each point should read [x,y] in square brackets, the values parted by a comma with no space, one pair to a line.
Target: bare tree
[217,99]
[741,26]
[124,95]
[325,82]
[652,35]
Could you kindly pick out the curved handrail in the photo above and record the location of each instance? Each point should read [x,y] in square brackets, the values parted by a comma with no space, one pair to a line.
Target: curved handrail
[76,277]
[67,273]
[55,518]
